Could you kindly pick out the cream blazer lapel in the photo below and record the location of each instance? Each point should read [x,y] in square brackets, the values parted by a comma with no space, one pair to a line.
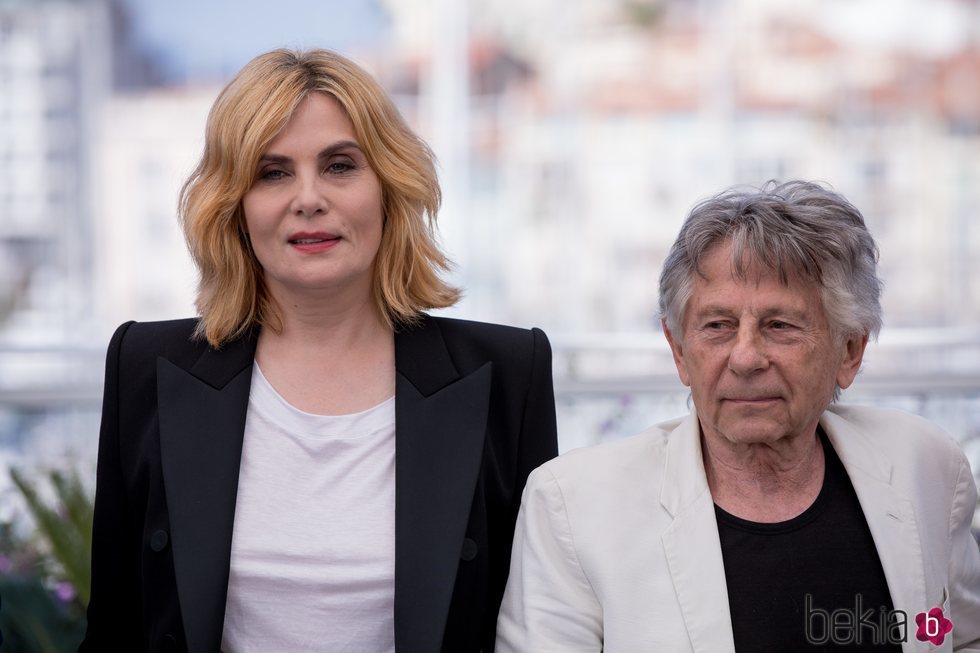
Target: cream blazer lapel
[890,516]
[693,550]
[692,545]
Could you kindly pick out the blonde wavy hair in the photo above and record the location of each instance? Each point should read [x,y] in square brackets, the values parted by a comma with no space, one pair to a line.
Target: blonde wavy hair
[253,108]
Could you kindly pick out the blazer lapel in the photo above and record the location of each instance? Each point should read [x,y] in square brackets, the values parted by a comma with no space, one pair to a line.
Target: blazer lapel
[441,421]
[694,554]
[202,423]
[692,545]
[890,517]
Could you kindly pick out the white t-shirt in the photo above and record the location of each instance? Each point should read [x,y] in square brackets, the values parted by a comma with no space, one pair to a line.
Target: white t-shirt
[313,547]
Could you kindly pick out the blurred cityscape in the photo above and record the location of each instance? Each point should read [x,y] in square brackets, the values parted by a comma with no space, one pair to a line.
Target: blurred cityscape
[572,137]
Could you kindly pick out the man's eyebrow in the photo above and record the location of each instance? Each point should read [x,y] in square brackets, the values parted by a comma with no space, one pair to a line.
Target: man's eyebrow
[792,313]
[272,157]
[714,309]
[767,311]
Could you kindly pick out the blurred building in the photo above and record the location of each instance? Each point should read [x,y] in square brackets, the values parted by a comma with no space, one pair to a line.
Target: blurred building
[572,140]
[592,127]
[582,165]
[54,63]
[150,142]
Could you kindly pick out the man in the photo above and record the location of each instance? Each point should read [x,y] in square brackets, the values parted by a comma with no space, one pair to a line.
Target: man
[770,519]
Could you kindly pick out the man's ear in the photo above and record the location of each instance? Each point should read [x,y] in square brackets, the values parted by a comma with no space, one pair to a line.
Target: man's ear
[853,356]
[677,349]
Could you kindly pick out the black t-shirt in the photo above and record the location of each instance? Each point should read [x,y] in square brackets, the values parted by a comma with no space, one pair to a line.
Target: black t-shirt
[812,583]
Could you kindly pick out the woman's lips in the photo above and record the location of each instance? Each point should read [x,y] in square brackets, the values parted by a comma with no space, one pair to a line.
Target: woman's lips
[313,242]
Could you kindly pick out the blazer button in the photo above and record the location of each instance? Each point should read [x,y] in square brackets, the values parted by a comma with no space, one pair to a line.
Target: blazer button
[158,541]
[169,641]
[469,550]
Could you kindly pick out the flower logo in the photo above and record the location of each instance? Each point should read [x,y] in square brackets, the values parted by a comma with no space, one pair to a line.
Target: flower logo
[933,626]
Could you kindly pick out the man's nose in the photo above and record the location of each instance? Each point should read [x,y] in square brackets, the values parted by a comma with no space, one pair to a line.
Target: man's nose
[748,352]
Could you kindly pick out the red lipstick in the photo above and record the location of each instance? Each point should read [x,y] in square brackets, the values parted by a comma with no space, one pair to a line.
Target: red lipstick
[313,242]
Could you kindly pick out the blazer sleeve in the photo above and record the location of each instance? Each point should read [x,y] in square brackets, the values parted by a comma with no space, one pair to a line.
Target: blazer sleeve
[114,606]
[549,604]
[964,572]
[539,430]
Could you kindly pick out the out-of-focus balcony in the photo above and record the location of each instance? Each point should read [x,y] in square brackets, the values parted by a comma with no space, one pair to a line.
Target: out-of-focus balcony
[606,385]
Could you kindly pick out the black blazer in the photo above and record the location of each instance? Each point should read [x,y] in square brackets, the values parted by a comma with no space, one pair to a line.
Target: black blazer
[474,409]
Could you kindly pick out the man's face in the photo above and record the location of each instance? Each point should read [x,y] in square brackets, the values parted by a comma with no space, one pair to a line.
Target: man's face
[758,355]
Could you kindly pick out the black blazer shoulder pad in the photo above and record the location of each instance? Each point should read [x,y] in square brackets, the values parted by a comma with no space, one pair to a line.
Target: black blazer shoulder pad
[473,343]
[463,345]
[140,344]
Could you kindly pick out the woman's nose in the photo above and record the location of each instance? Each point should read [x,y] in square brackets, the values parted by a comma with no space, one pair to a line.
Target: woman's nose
[310,198]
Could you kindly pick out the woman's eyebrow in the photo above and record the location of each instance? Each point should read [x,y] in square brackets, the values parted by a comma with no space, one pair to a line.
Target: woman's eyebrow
[333,148]
[269,157]
[337,147]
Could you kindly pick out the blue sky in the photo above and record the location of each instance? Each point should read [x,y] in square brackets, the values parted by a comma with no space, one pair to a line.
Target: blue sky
[208,39]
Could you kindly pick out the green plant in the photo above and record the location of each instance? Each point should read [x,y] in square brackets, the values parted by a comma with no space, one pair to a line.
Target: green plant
[33,620]
[46,579]
[66,527]
[646,14]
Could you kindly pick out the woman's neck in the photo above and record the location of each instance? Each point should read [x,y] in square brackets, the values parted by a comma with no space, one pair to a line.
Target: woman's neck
[329,359]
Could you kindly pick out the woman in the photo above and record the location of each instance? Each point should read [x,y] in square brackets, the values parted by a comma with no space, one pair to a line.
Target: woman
[250,492]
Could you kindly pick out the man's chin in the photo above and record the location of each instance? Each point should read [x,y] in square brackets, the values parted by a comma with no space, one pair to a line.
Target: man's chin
[749,431]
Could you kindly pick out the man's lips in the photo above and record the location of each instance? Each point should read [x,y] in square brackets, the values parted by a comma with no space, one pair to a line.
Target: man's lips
[752,400]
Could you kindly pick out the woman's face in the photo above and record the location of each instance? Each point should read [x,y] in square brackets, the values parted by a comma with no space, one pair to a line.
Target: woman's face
[313,213]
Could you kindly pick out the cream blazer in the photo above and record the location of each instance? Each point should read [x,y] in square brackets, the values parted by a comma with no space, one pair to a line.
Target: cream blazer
[617,548]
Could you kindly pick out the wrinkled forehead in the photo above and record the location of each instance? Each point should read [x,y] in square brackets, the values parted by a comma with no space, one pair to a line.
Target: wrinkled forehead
[749,266]
[757,293]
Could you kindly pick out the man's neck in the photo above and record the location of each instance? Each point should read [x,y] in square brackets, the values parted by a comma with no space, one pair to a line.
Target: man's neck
[763,482]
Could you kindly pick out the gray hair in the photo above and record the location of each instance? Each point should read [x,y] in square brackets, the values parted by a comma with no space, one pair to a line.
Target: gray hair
[795,228]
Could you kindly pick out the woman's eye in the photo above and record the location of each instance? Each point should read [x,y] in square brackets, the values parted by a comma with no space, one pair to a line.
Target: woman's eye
[272,175]
[339,167]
